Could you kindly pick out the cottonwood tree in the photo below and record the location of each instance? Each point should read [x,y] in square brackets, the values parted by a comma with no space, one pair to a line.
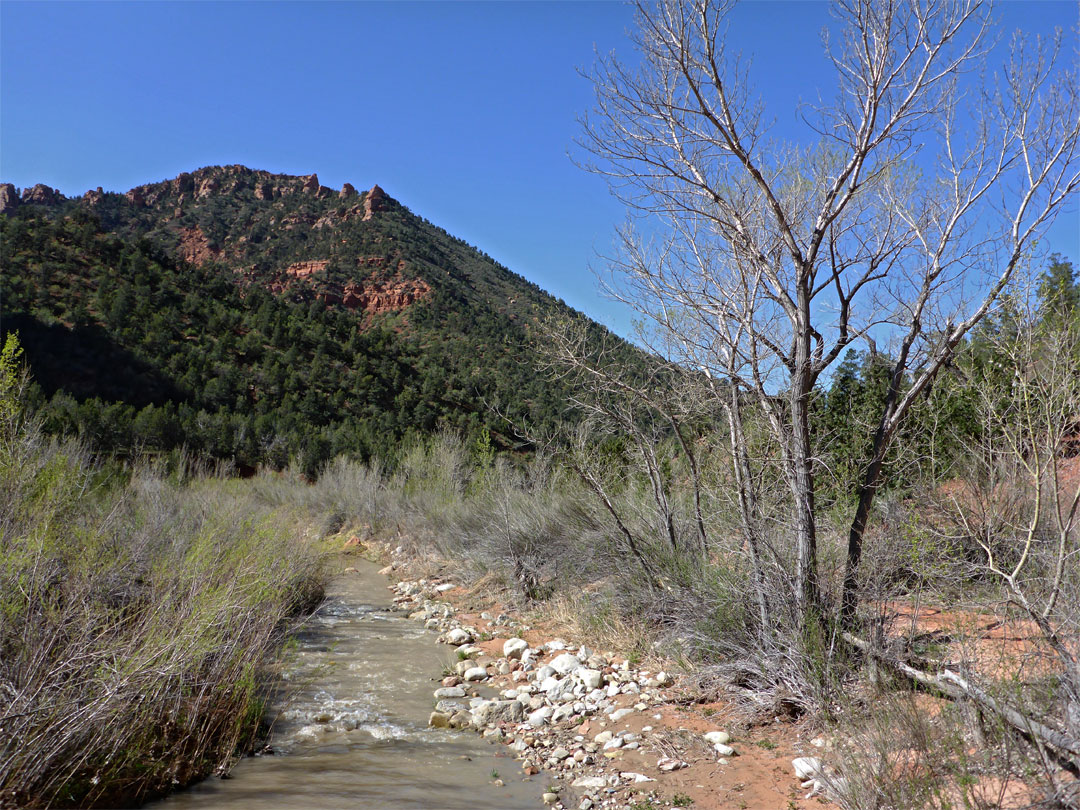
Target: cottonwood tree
[909,201]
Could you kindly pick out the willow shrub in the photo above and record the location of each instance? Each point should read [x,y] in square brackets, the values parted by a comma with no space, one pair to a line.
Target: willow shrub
[137,617]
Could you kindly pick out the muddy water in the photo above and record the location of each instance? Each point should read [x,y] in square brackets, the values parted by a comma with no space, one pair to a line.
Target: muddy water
[354,733]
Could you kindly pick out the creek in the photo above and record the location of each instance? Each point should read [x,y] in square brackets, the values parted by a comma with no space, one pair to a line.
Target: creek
[351,728]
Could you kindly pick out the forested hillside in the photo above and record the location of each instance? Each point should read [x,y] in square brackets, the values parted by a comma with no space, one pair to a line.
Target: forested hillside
[261,317]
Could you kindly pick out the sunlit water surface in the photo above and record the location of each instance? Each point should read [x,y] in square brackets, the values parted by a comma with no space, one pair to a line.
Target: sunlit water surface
[353,733]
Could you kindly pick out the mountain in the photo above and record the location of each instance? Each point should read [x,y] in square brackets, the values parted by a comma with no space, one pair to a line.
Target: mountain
[260,317]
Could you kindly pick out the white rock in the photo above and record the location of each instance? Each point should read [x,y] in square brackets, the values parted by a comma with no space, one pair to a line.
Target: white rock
[457,636]
[449,692]
[714,737]
[475,674]
[663,679]
[619,714]
[603,737]
[540,716]
[514,647]
[561,713]
[493,711]
[635,777]
[548,683]
[589,678]
[613,744]
[724,750]
[589,783]
[446,586]
[668,764]
[565,663]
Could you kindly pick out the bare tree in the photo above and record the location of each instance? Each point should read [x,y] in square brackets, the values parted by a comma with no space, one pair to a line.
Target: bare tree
[1021,500]
[916,197]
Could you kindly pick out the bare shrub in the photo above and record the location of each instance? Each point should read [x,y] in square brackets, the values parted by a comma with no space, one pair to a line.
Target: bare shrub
[135,621]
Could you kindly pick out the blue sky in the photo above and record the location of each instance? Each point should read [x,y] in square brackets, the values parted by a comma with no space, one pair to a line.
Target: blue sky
[465,112]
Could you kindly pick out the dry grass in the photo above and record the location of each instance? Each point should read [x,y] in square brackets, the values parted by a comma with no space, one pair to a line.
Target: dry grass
[136,616]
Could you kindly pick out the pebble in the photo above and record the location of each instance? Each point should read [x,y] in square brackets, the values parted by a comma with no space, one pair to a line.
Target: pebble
[550,798]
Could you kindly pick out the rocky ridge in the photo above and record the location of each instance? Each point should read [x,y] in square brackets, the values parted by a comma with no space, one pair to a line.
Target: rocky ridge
[569,712]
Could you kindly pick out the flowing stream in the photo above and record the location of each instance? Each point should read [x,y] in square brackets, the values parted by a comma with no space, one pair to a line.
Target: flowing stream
[353,733]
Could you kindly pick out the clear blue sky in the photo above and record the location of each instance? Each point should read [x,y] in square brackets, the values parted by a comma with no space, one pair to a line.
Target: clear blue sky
[465,112]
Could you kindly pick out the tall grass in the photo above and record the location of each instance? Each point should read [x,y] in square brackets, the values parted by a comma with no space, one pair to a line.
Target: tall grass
[137,615]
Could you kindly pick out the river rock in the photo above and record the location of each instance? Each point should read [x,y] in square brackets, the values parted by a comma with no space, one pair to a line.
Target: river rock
[562,713]
[461,719]
[475,674]
[514,647]
[550,798]
[669,764]
[439,720]
[631,776]
[589,678]
[494,711]
[540,716]
[457,636]
[590,783]
[451,705]
[715,737]
[449,692]
[619,714]
[724,750]
[565,663]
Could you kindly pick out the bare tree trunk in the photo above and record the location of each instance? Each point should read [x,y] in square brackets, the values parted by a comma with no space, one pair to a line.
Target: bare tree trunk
[807,595]
[748,506]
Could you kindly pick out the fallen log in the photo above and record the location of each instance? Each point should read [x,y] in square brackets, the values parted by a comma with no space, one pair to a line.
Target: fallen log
[956,687]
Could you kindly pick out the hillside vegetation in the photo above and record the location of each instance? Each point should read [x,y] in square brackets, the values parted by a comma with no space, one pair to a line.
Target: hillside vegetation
[261,318]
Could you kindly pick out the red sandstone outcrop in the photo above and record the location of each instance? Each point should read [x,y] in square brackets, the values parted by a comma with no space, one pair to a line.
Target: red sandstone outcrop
[264,191]
[136,197]
[207,186]
[95,196]
[374,202]
[311,184]
[373,296]
[305,269]
[9,198]
[347,190]
[41,194]
[195,247]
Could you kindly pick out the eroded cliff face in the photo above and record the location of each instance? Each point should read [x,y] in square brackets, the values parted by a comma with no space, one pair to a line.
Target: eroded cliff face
[195,247]
[255,223]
